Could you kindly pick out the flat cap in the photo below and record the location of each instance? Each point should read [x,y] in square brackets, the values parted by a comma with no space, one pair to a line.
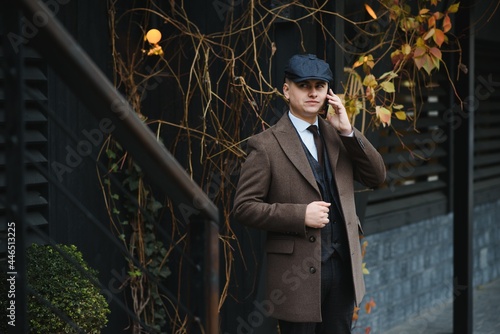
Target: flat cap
[307,67]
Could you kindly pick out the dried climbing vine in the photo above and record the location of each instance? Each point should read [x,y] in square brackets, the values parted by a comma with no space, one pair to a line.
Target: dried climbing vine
[221,91]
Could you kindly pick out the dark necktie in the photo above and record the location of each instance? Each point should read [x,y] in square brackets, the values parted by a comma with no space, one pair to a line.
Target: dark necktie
[318,142]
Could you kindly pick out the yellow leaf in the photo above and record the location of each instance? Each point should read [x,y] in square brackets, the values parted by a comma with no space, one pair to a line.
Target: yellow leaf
[358,62]
[389,75]
[369,61]
[406,49]
[388,87]
[428,64]
[401,115]
[454,8]
[384,115]
[370,81]
[423,11]
[396,57]
[397,106]
[365,271]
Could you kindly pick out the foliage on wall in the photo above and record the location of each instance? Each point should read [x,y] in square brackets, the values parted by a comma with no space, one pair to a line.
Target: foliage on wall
[221,90]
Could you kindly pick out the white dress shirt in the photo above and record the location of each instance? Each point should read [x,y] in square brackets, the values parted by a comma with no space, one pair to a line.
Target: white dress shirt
[306,135]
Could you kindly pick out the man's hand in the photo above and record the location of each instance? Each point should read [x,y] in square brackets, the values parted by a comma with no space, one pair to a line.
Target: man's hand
[339,120]
[317,214]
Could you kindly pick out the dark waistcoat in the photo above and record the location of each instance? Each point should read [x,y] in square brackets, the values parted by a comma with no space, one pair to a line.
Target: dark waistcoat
[334,234]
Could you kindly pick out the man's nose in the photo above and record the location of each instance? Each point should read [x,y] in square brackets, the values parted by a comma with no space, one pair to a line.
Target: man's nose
[313,92]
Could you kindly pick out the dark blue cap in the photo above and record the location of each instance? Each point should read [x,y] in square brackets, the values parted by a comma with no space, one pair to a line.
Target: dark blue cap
[308,67]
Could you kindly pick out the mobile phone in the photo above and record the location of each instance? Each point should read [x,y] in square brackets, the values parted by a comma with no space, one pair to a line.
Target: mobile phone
[324,112]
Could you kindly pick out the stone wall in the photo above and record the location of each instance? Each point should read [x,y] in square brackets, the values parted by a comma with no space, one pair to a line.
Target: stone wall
[411,268]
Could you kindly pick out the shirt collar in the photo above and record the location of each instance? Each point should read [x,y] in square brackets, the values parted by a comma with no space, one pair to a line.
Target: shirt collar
[300,124]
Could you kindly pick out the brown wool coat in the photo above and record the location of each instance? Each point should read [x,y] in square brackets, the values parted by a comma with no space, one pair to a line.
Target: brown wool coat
[276,184]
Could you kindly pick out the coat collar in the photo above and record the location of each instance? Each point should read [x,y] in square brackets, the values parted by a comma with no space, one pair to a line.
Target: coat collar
[290,142]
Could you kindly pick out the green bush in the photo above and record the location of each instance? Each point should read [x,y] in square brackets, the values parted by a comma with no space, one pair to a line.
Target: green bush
[66,288]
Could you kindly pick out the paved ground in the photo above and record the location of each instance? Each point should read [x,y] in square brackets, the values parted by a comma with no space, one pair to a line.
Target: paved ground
[440,320]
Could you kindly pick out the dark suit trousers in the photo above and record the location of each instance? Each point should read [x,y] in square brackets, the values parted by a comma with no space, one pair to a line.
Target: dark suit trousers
[337,302]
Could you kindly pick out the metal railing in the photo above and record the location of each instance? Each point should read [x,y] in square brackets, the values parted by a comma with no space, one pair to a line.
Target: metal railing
[77,70]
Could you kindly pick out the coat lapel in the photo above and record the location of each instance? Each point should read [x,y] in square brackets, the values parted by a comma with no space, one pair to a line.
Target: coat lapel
[290,142]
[327,131]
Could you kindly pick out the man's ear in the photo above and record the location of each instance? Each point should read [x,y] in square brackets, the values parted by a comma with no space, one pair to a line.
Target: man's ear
[286,88]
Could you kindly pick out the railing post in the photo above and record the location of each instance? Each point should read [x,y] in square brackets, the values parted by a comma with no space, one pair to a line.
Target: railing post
[463,180]
[204,279]
[212,276]
[15,169]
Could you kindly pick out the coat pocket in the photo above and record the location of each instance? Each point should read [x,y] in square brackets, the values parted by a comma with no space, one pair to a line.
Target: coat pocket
[280,246]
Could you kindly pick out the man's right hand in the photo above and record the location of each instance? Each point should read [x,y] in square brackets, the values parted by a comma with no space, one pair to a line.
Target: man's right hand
[317,214]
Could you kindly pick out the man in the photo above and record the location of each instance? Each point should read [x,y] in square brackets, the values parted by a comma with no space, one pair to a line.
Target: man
[298,186]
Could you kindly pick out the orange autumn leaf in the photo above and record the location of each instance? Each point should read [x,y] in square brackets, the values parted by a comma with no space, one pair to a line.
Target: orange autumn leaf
[419,51]
[430,33]
[370,11]
[438,15]
[355,315]
[439,37]
[435,52]
[431,22]
[369,305]
[446,24]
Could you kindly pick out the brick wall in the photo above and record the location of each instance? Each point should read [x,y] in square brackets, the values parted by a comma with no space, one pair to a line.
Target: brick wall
[411,267]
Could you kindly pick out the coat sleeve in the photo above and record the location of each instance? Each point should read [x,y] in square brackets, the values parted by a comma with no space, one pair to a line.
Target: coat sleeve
[252,205]
[368,165]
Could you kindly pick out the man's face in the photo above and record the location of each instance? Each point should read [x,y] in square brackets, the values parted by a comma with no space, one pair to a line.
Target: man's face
[307,98]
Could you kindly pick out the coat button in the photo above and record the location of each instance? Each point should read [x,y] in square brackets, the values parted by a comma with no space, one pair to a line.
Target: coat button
[312,270]
[312,238]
